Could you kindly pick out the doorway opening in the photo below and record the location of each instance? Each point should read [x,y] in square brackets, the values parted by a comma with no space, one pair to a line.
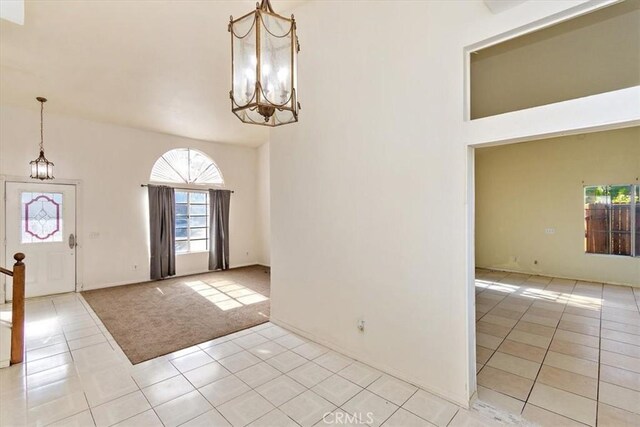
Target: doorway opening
[556,324]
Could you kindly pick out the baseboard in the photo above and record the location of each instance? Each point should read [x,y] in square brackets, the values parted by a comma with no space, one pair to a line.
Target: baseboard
[129,282]
[559,276]
[461,401]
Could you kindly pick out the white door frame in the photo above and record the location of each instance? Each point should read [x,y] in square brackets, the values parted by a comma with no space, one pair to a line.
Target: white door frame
[4,179]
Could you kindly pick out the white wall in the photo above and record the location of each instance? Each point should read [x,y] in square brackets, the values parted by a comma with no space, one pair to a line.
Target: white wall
[111,162]
[523,189]
[369,195]
[263,216]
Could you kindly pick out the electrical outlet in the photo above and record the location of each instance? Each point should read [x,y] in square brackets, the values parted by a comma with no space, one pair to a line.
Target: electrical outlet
[361,325]
[550,230]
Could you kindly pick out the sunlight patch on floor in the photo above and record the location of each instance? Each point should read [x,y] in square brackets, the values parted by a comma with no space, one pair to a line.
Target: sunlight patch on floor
[226,294]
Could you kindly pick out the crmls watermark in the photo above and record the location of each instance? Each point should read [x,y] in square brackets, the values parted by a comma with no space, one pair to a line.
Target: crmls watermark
[344,418]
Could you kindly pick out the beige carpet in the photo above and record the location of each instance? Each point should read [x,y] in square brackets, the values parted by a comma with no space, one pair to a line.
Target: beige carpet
[151,319]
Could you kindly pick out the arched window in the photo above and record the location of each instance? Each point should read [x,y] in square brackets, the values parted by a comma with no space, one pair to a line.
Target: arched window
[186,166]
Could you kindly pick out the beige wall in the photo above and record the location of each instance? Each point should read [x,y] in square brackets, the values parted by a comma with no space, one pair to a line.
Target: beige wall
[523,189]
[594,53]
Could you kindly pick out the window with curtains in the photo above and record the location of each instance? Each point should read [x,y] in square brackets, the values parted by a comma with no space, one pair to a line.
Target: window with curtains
[612,219]
[192,167]
[192,221]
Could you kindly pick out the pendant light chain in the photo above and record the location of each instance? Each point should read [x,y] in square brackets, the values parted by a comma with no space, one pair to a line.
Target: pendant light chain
[41,168]
[41,126]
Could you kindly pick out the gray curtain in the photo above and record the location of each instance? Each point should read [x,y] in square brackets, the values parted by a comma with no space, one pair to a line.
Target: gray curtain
[219,201]
[162,223]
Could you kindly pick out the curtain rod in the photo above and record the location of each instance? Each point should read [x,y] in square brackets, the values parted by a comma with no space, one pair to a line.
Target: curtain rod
[185,188]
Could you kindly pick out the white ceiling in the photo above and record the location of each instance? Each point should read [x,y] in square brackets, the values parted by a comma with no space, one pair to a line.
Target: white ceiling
[155,65]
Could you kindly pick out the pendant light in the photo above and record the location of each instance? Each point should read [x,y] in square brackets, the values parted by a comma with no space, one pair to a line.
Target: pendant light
[264,61]
[41,168]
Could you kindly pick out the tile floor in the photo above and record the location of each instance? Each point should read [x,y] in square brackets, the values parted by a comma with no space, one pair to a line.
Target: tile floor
[76,375]
[557,351]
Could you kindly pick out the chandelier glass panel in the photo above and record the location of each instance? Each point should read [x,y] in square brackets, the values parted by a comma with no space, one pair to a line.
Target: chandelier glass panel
[264,50]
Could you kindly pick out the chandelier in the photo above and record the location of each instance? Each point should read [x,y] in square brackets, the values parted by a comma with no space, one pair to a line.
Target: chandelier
[41,168]
[264,51]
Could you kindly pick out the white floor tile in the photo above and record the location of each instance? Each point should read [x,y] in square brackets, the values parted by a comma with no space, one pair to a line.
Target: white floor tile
[245,408]
[57,409]
[222,350]
[258,374]
[210,418]
[290,340]
[404,418]
[275,418]
[48,363]
[41,395]
[182,409]
[206,374]
[309,374]
[272,332]
[280,390]
[431,408]
[191,361]
[167,390]
[107,385]
[239,361]
[392,389]
[120,409]
[360,374]
[49,376]
[287,361]
[267,350]
[310,350]
[154,373]
[146,419]
[308,408]
[333,361]
[250,340]
[221,391]
[370,405]
[86,341]
[337,390]
[83,419]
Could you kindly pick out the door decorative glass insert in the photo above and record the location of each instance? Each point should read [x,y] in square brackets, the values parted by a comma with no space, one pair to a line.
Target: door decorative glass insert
[41,217]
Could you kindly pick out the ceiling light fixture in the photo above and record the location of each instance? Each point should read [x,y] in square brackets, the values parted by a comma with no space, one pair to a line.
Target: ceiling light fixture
[41,168]
[264,61]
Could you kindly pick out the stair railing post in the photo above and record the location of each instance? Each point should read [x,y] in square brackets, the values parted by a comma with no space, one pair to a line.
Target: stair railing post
[17,310]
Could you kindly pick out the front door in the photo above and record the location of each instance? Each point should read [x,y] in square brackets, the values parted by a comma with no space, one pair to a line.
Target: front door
[41,223]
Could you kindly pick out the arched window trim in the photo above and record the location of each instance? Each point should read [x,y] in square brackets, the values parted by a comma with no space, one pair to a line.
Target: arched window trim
[174,172]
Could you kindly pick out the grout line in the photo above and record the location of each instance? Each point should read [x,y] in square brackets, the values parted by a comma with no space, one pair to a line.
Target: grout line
[599,357]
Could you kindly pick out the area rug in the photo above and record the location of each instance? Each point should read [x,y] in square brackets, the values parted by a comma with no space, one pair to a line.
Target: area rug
[152,319]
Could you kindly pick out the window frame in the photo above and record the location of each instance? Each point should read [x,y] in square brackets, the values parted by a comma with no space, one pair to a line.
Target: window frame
[189,226]
[634,230]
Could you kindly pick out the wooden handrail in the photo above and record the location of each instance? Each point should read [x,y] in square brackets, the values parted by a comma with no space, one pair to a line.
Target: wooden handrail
[5,271]
[17,310]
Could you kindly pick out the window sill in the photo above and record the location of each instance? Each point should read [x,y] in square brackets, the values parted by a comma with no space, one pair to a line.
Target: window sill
[191,253]
[613,255]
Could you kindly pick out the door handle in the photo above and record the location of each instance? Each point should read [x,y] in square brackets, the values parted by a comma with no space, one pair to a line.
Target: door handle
[72,241]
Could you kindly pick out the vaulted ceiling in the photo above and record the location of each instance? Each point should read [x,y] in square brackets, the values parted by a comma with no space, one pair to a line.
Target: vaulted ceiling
[154,65]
